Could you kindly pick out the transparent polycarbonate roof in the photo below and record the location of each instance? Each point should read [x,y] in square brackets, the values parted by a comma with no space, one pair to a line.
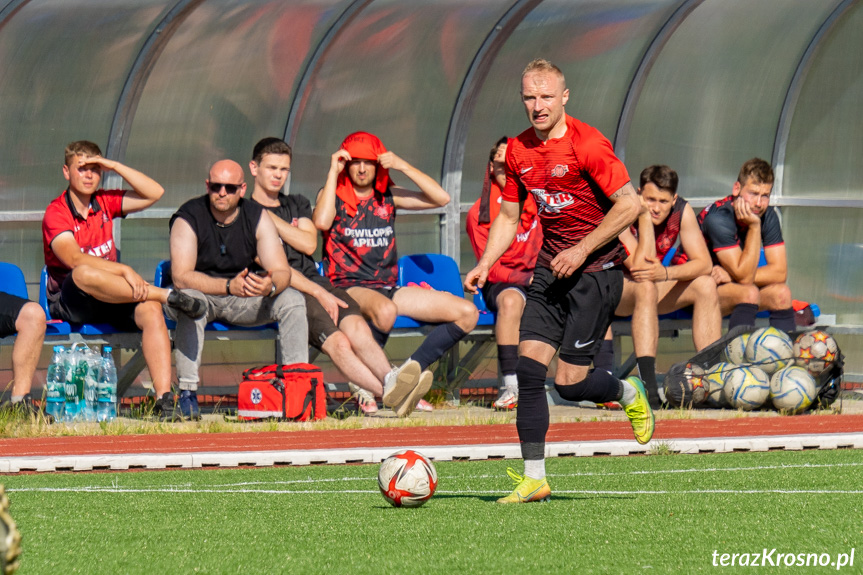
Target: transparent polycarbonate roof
[169,87]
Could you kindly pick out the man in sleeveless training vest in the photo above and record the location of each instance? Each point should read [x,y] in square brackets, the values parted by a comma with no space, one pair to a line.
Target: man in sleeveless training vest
[585,201]
[356,211]
[227,254]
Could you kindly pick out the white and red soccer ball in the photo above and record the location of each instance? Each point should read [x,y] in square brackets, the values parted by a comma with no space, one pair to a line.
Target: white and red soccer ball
[407,479]
[815,350]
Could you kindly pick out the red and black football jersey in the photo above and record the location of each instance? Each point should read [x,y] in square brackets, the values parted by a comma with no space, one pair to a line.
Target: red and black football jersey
[361,250]
[721,230]
[667,232]
[571,179]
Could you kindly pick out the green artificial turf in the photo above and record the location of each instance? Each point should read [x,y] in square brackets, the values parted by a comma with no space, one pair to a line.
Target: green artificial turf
[652,514]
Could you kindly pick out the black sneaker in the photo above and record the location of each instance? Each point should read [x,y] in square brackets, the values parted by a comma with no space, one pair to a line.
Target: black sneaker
[164,409]
[192,307]
[189,405]
[10,538]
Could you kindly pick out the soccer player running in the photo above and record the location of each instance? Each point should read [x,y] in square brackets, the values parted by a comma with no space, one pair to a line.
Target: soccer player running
[505,292]
[651,288]
[736,229]
[585,201]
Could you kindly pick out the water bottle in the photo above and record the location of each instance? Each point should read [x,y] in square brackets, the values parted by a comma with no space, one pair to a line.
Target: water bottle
[76,375]
[106,405]
[91,381]
[71,394]
[55,385]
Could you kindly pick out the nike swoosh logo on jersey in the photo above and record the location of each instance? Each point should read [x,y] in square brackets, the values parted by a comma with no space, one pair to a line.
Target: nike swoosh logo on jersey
[526,170]
[579,345]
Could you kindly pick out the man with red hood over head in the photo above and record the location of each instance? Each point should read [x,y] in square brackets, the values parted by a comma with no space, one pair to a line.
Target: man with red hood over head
[356,212]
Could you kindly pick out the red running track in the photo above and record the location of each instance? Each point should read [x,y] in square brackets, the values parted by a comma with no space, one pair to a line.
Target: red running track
[421,436]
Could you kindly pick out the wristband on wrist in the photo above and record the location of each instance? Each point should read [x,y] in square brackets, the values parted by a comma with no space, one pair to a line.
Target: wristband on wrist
[273,290]
[228,287]
[666,274]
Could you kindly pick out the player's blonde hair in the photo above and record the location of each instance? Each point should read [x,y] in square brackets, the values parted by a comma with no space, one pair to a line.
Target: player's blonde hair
[543,66]
[81,148]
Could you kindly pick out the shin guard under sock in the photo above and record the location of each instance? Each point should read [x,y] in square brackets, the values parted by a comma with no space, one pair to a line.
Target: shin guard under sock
[647,373]
[743,314]
[531,420]
[783,319]
[599,387]
[437,343]
[507,356]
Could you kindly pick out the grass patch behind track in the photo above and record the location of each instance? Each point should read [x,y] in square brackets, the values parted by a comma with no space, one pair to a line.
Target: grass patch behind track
[607,515]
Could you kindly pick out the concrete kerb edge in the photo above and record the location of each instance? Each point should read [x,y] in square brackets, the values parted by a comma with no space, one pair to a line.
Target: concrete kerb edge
[340,456]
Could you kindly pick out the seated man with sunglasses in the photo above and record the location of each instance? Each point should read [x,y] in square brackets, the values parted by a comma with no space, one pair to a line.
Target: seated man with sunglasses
[86,283]
[229,257]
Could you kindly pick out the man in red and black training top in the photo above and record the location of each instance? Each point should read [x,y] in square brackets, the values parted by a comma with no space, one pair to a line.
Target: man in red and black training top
[505,292]
[86,283]
[585,201]
[650,288]
[736,228]
[356,211]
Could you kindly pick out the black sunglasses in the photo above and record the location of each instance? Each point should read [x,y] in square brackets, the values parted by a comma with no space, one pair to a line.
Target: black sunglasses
[216,187]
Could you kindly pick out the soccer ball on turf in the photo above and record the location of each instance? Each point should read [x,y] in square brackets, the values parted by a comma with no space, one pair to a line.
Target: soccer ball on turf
[736,348]
[407,479]
[792,389]
[815,350]
[746,388]
[714,380]
[769,349]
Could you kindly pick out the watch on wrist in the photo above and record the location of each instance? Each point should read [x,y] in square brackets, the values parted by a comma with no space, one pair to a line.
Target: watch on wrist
[273,290]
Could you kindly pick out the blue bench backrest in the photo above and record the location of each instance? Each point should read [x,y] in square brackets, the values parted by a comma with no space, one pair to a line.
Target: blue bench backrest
[12,280]
[437,270]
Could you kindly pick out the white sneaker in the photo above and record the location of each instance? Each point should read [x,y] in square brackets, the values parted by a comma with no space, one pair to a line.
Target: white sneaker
[365,399]
[423,405]
[508,399]
[407,406]
[400,382]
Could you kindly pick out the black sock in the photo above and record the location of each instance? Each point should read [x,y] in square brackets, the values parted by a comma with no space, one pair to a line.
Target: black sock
[783,319]
[743,314]
[507,356]
[599,387]
[647,373]
[437,343]
[604,358]
[531,419]
[380,336]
